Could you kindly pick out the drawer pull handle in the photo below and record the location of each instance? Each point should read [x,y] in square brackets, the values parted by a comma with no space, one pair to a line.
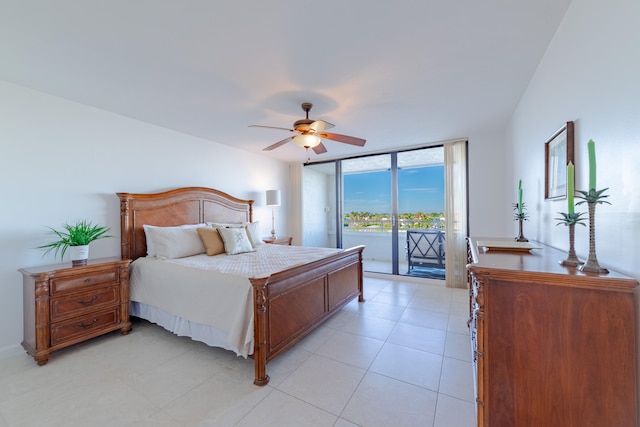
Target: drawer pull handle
[91,301]
[87,326]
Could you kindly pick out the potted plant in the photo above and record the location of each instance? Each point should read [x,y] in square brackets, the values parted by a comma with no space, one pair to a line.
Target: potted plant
[75,237]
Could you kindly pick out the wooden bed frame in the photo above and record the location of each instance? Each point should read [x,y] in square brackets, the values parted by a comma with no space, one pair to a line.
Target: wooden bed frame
[288,304]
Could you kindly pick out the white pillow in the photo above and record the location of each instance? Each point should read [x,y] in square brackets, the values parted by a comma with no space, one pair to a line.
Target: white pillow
[224,224]
[253,232]
[175,242]
[151,249]
[235,240]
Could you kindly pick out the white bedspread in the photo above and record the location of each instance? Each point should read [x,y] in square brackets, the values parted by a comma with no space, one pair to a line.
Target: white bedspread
[214,291]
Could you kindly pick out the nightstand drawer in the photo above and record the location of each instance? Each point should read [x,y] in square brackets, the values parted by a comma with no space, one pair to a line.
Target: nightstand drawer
[82,327]
[73,282]
[78,303]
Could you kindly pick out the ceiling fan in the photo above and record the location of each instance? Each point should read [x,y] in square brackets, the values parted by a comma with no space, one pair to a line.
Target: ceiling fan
[311,132]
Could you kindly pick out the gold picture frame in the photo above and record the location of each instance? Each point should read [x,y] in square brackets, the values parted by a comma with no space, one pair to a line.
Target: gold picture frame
[558,152]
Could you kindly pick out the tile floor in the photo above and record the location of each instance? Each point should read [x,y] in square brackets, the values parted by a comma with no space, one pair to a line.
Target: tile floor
[402,358]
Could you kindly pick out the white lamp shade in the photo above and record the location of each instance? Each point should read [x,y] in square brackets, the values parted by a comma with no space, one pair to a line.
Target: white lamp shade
[273,197]
[307,141]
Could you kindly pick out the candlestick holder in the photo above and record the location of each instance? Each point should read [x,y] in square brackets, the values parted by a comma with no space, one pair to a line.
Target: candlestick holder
[592,265]
[592,198]
[570,220]
[520,237]
[520,215]
[572,259]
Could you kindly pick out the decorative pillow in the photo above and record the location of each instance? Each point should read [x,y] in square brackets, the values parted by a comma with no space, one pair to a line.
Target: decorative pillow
[224,224]
[212,241]
[175,242]
[253,232]
[235,240]
[151,248]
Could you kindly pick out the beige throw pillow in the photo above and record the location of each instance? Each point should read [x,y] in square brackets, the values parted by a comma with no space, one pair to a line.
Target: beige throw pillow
[211,240]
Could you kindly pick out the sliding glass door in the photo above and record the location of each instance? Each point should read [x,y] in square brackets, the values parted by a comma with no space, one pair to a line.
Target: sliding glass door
[369,214]
[392,203]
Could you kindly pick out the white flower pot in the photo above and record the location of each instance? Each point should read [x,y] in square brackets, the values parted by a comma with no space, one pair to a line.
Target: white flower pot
[79,254]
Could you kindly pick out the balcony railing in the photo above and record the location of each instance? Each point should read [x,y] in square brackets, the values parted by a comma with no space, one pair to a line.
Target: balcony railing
[384,225]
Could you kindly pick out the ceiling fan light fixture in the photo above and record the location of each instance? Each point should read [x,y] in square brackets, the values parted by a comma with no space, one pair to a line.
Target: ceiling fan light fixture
[307,141]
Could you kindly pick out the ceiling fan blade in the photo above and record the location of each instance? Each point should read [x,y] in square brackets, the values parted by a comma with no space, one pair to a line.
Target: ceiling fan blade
[320,125]
[319,149]
[344,138]
[278,144]
[271,127]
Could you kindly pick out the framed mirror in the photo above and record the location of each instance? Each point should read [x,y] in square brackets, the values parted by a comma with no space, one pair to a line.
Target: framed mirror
[558,152]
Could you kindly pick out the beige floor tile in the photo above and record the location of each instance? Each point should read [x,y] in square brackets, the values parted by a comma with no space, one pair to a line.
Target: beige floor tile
[279,410]
[457,379]
[367,326]
[344,423]
[392,298]
[284,364]
[425,318]
[322,382]
[400,287]
[458,346]
[175,377]
[452,412]
[458,324]
[78,402]
[351,349]
[383,311]
[418,337]
[406,364]
[430,304]
[221,400]
[315,339]
[382,401]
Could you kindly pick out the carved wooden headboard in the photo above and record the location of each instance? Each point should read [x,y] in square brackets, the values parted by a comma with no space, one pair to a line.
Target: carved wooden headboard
[189,205]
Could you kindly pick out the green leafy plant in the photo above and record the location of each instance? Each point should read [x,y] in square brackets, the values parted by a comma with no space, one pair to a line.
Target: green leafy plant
[81,233]
[571,218]
[521,214]
[593,196]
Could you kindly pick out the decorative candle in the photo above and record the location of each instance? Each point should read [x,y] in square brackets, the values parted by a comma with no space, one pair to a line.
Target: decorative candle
[592,164]
[570,187]
[520,197]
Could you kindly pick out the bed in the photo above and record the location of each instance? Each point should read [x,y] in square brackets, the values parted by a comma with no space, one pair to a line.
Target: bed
[284,306]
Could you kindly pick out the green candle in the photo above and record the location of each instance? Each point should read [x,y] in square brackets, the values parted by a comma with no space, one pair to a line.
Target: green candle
[570,186]
[520,197]
[592,164]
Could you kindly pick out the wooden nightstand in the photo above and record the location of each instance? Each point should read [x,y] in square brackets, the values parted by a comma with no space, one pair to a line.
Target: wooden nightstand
[278,240]
[65,305]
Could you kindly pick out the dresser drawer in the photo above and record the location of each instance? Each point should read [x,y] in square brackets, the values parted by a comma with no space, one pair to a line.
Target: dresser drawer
[84,327]
[78,303]
[75,282]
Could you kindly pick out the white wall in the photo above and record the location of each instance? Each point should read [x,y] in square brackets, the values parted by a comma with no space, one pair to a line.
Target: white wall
[588,75]
[489,205]
[315,194]
[61,161]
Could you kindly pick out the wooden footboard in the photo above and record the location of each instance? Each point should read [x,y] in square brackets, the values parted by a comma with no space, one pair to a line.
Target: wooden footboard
[290,304]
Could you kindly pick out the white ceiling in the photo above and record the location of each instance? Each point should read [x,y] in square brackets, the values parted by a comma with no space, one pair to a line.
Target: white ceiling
[397,73]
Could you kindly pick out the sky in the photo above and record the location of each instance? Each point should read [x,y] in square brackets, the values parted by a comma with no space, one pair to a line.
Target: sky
[420,190]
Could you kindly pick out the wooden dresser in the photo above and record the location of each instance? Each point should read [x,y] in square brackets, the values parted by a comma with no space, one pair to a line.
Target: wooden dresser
[65,305]
[552,346]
